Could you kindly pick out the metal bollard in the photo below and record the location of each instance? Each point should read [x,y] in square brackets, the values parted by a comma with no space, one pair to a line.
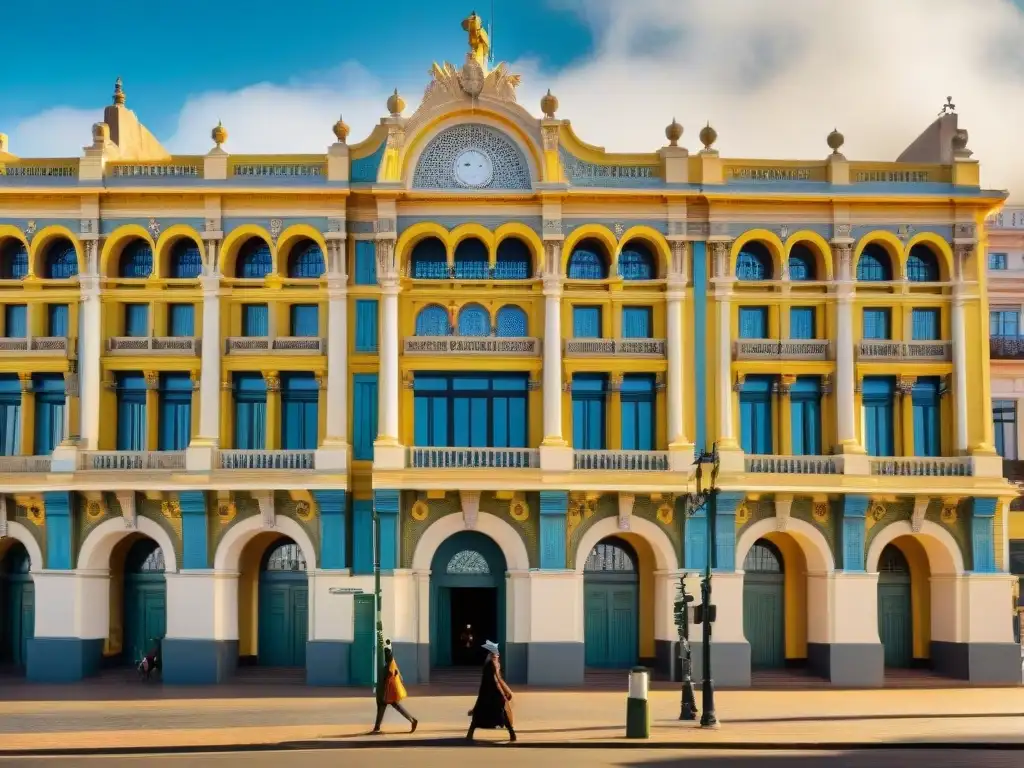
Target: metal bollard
[638,715]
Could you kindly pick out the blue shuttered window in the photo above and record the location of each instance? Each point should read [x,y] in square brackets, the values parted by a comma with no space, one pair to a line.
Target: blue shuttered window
[922,266]
[927,421]
[802,263]
[638,412]
[300,394]
[754,262]
[306,261]
[61,261]
[756,415]
[364,415]
[13,260]
[802,323]
[181,319]
[879,435]
[474,321]
[588,262]
[1004,322]
[51,402]
[136,260]
[305,319]
[433,320]
[1004,418]
[511,322]
[15,321]
[877,324]
[508,411]
[174,427]
[186,261]
[753,322]
[471,411]
[57,320]
[586,322]
[365,272]
[637,322]
[513,260]
[255,320]
[925,324]
[367,337]
[131,412]
[250,411]
[588,411]
[997,261]
[254,260]
[471,260]
[10,414]
[874,264]
[429,260]
[636,262]
[805,409]
[136,319]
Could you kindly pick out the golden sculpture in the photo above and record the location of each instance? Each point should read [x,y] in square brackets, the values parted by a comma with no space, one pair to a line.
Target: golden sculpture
[479,42]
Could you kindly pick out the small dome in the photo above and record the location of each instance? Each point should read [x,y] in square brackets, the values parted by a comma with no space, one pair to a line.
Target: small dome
[835,141]
[118,92]
[674,132]
[549,105]
[396,104]
[340,129]
[219,134]
[708,136]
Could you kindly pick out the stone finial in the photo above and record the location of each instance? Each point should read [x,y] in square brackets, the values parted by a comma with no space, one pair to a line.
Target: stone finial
[959,141]
[674,132]
[396,104]
[549,105]
[118,93]
[708,136]
[835,140]
[100,133]
[219,134]
[340,129]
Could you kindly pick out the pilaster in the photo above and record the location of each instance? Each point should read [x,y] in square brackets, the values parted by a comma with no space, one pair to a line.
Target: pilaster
[58,508]
[194,530]
[387,504]
[554,507]
[331,507]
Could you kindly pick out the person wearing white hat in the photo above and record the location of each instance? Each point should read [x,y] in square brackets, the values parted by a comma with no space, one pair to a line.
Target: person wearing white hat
[493,708]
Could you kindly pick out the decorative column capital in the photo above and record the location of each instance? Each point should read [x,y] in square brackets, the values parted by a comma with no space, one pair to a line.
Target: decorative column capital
[826,384]
[552,286]
[387,265]
[905,384]
[273,381]
[786,383]
[25,380]
[737,384]
[152,379]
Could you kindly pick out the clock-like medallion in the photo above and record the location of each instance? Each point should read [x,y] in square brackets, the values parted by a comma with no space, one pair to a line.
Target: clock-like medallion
[473,168]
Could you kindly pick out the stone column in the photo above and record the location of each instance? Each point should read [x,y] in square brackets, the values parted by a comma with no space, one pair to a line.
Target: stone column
[273,425]
[846,432]
[726,426]
[203,446]
[959,370]
[905,388]
[388,452]
[555,452]
[333,454]
[674,381]
[786,415]
[90,345]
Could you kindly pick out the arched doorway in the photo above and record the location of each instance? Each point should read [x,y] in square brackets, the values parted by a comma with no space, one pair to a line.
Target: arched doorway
[467,584]
[764,609]
[17,607]
[895,619]
[145,599]
[283,606]
[611,588]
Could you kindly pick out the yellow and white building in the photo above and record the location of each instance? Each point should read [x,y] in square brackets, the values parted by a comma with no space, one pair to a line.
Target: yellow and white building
[509,343]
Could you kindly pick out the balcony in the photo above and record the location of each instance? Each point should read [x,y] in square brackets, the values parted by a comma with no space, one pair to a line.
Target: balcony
[473,458]
[117,461]
[153,345]
[791,465]
[1006,347]
[905,351]
[621,461]
[14,464]
[289,345]
[469,345]
[614,347]
[57,346]
[786,349]
[249,459]
[920,466]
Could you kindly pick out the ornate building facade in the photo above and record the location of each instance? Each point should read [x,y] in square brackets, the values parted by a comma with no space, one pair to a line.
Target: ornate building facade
[507,342]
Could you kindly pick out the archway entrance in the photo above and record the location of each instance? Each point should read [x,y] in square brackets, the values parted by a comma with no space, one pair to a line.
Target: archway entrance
[467,584]
[611,589]
[145,599]
[895,617]
[283,606]
[764,610]
[17,607]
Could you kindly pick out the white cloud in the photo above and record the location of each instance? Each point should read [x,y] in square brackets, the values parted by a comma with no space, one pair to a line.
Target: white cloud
[773,76]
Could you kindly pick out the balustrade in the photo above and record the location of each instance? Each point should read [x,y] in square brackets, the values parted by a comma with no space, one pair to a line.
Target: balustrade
[255,459]
[161,345]
[35,345]
[621,461]
[786,349]
[471,345]
[920,466]
[24,464]
[1006,347]
[128,460]
[615,347]
[939,351]
[470,458]
[292,345]
[790,465]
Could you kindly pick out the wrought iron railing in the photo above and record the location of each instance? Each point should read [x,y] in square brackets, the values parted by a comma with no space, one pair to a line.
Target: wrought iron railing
[255,459]
[791,465]
[920,466]
[128,460]
[621,461]
[473,458]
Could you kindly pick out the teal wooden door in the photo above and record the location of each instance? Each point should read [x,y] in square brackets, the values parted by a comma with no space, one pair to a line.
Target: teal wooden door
[145,600]
[895,622]
[764,606]
[17,607]
[362,667]
[611,594]
[283,607]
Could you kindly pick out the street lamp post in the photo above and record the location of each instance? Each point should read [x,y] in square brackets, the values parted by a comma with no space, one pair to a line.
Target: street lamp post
[378,656]
[707,498]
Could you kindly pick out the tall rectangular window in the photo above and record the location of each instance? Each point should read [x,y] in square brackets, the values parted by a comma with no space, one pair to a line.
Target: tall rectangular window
[756,434]
[753,322]
[586,322]
[638,412]
[364,415]
[255,320]
[366,325]
[877,324]
[250,411]
[927,423]
[131,411]
[997,261]
[51,404]
[1004,418]
[136,319]
[637,323]
[879,434]
[10,414]
[57,320]
[305,320]
[471,410]
[174,427]
[365,263]
[805,413]
[300,395]
[181,319]
[15,321]
[589,393]
[802,323]
[925,324]
[1004,323]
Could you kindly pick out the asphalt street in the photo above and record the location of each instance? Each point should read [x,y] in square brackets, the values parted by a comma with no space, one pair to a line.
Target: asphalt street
[499,755]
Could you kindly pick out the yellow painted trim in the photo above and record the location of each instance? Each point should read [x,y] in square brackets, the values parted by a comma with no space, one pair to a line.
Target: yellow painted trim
[592,153]
[234,241]
[598,232]
[162,252]
[413,235]
[467,231]
[369,145]
[942,250]
[525,233]
[766,236]
[892,245]
[9,230]
[287,240]
[794,569]
[651,236]
[115,243]
[43,238]
[826,267]
[920,593]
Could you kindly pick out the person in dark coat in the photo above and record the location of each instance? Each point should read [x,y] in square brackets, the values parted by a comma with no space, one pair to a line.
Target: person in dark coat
[493,707]
[391,691]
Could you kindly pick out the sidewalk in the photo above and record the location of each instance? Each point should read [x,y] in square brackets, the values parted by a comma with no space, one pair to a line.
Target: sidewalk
[767,720]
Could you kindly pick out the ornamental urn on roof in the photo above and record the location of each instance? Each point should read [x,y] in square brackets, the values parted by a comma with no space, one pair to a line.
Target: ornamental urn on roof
[119,94]
[835,141]
[674,132]
[340,129]
[708,136]
[219,134]
[396,104]
[549,105]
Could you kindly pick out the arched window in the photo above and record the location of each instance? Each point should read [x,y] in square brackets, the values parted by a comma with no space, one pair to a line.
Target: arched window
[286,556]
[429,260]
[513,260]
[471,260]
[511,322]
[754,262]
[874,265]
[802,264]
[60,260]
[893,560]
[13,260]
[253,259]
[136,260]
[433,320]
[145,556]
[922,266]
[589,261]
[468,561]
[611,555]
[186,260]
[763,557]
[306,260]
[16,561]
[474,321]
[636,262]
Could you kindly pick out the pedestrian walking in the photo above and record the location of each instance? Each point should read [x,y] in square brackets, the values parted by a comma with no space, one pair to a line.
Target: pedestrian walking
[493,708]
[391,691]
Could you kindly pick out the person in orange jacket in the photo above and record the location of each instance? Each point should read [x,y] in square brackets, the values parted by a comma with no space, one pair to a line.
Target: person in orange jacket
[391,693]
